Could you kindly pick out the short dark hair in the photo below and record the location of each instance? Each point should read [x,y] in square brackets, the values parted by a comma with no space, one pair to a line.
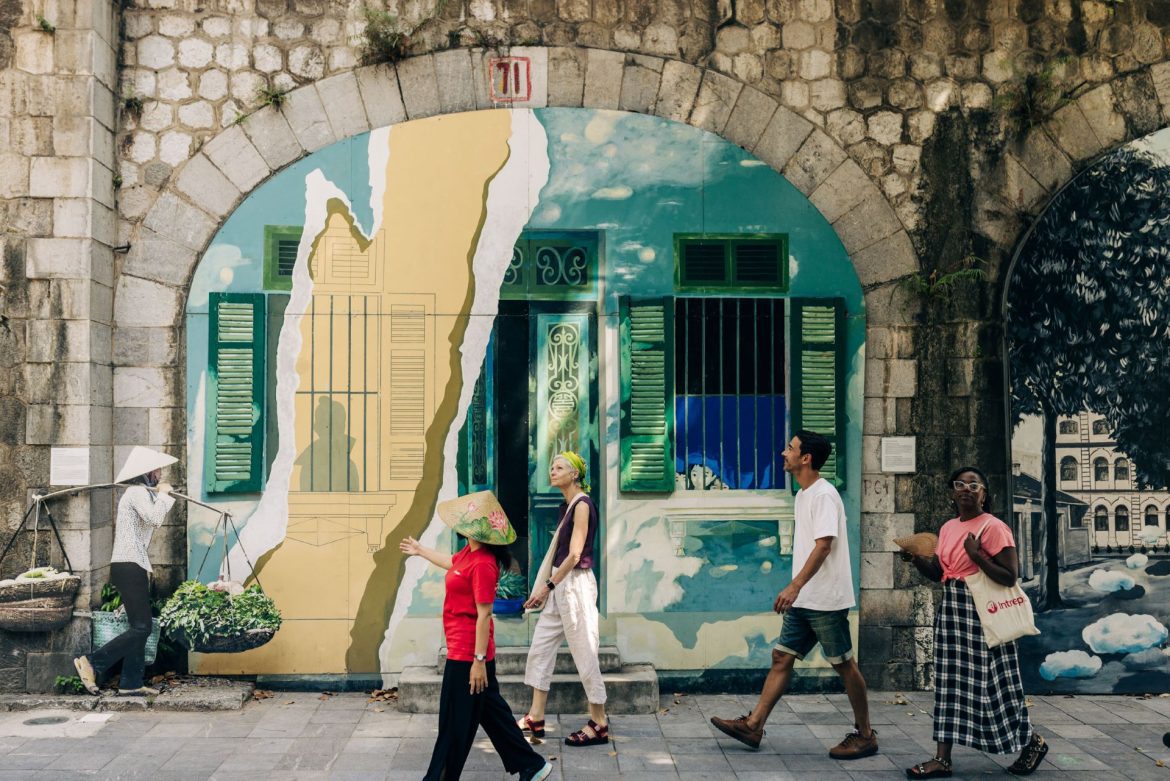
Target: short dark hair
[982,478]
[815,445]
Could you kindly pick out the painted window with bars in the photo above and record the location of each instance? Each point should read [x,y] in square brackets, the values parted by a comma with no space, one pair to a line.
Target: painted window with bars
[729,382]
[280,255]
[552,265]
[740,262]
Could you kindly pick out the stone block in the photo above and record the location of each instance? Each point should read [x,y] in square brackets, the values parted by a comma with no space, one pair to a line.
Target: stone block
[63,383]
[454,81]
[180,221]
[603,78]
[59,258]
[52,341]
[14,180]
[817,157]
[1043,160]
[62,424]
[877,490]
[347,114]
[566,76]
[751,115]
[378,85]
[677,90]
[1073,133]
[879,530]
[1160,74]
[1100,112]
[42,669]
[204,184]
[59,177]
[159,259]
[307,118]
[866,223]
[419,84]
[639,88]
[845,188]
[888,259]
[1018,187]
[146,347]
[142,303]
[34,51]
[141,386]
[274,139]
[131,426]
[716,98]
[81,218]
[877,570]
[538,71]
[234,154]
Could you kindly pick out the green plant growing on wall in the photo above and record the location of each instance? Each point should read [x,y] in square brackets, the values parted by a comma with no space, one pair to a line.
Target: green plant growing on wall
[385,40]
[271,96]
[1032,100]
[133,105]
[45,25]
[69,684]
[942,285]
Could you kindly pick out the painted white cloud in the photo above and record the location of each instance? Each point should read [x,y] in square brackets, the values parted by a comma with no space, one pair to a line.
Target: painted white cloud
[600,128]
[1123,633]
[616,193]
[647,254]
[1069,664]
[1137,561]
[1109,581]
[1151,536]
[1149,659]
[223,260]
[751,162]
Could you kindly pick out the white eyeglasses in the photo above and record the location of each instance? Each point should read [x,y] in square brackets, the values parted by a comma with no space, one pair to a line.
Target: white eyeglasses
[961,486]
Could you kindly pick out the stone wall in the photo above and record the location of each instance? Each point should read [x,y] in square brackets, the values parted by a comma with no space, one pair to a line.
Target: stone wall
[929,133]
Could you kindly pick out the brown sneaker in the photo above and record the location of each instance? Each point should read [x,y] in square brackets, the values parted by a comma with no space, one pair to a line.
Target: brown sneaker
[854,746]
[739,729]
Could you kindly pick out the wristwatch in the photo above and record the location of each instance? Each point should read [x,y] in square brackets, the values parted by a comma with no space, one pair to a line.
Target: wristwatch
[481,657]
[550,584]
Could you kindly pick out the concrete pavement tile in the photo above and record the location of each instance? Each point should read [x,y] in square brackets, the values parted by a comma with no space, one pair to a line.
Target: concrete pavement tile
[357,775]
[265,745]
[767,775]
[27,761]
[693,746]
[383,746]
[1076,731]
[176,729]
[337,716]
[229,729]
[365,762]
[8,744]
[421,726]
[875,762]
[1069,761]
[326,731]
[82,759]
[295,760]
[249,762]
[705,763]
[765,762]
[684,728]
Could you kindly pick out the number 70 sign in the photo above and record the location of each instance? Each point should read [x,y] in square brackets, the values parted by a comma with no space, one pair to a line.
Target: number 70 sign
[510,79]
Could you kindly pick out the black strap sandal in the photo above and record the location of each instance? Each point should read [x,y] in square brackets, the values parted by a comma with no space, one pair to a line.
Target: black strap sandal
[582,738]
[1030,757]
[944,769]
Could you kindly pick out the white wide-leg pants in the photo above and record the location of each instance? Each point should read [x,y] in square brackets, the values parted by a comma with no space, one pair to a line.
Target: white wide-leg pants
[569,614]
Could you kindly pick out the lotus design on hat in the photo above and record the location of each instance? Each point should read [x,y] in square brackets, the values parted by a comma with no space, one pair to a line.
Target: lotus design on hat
[478,516]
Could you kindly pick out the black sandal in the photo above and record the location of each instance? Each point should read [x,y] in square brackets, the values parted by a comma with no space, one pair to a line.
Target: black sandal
[944,770]
[1030,758]
[526,724]
[582,738]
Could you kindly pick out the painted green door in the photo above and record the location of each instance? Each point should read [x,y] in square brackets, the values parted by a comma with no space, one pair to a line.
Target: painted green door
[563,409]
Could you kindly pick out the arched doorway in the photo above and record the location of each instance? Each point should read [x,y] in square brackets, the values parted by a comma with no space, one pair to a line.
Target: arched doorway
[1089,358]
[443,304]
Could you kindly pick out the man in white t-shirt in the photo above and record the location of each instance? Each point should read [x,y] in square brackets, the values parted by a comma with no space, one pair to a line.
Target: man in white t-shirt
[815,604]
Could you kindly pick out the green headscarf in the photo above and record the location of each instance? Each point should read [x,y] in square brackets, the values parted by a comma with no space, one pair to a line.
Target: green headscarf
[577,463]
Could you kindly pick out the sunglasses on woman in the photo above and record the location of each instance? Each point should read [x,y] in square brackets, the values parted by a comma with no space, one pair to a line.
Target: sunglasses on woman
[961,486]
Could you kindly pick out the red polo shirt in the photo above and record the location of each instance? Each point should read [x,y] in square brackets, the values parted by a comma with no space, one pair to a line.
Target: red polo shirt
[471,579]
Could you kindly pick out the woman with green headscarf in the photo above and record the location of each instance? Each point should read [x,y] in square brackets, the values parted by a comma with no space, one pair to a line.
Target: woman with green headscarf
[567,590]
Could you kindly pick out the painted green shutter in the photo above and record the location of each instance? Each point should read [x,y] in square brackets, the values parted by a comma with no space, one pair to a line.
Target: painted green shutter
[647,400]
[235,399]
[817,355]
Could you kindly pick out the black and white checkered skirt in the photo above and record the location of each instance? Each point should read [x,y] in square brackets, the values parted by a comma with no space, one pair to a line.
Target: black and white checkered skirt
[978,694]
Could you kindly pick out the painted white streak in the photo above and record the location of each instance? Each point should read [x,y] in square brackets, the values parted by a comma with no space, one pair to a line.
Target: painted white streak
[267,525]
[379,157]
[512,197]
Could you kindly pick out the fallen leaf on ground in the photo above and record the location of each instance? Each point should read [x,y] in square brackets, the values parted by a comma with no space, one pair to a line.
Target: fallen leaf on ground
[1160,763]
[261,694]
[325,695]
[289,702]
[383,695]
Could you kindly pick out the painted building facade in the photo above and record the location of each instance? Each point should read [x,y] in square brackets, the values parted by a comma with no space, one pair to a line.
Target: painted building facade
[387,323]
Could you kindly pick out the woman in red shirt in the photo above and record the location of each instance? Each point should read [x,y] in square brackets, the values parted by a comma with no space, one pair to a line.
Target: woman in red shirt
[470,695]
[978,693]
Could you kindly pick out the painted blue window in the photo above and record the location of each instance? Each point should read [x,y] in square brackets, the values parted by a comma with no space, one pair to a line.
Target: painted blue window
[729,393]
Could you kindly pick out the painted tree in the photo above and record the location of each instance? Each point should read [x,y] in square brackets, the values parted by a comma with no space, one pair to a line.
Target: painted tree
[1089,321]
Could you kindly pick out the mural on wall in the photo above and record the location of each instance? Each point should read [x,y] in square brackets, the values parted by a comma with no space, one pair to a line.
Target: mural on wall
[443,305]
[1089,350]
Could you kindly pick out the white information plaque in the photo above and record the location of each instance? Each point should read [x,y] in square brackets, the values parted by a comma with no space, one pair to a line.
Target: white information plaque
[898,454]
[69,466]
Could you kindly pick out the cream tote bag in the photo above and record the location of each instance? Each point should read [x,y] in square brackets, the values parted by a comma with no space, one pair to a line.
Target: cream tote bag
[546,566]
[1004,611]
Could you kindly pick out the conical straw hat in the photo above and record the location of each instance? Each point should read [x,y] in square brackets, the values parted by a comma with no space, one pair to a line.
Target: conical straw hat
[478,516]
[142,460]
[921,544]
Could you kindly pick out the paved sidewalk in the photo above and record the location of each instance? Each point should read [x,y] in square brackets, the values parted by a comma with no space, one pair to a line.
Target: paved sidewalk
[343,737]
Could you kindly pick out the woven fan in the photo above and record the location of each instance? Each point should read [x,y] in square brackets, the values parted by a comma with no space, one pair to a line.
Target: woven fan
[921,544]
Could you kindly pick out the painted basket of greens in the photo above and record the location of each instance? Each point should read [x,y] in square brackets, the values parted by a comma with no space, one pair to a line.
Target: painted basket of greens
[225,618]
[510,593]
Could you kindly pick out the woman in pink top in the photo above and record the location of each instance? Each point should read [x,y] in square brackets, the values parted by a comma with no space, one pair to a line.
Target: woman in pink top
[978,693]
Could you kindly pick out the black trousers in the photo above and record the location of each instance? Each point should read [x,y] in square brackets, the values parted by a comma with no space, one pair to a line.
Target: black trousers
[133,583]
[462,713]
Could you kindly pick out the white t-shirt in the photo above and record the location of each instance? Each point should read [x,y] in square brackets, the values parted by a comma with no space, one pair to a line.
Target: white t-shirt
[820,513]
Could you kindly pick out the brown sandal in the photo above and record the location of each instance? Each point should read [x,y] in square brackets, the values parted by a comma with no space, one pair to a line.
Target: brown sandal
[526,724]
[944,769]
[582,738]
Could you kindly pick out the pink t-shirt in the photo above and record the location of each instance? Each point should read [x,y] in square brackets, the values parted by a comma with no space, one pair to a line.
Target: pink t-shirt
[956,564]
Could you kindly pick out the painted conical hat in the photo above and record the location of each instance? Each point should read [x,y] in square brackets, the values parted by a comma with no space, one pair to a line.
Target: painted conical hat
[142,460]
[921,544]
[478,516]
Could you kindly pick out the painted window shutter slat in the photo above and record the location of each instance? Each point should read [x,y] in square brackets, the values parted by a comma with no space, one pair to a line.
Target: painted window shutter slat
[235,404]
[818,381]
[647,394]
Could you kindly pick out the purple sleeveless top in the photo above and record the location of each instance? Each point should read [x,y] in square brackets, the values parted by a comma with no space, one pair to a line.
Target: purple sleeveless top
[566,535]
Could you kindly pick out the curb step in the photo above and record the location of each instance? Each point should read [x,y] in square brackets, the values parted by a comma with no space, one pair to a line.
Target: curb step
[511,660]
[632,690]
